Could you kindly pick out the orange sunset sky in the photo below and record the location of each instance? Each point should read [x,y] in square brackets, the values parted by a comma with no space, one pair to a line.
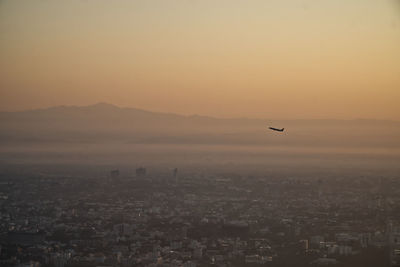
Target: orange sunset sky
[251,58]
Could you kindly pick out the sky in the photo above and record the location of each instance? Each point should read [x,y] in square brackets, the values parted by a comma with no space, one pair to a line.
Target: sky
[252,58]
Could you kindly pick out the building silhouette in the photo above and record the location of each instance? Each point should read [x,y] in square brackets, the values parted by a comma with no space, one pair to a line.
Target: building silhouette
[141,172]
[114,173]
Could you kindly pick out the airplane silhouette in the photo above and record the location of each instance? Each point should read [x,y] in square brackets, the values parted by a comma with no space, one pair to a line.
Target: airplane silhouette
[276,129]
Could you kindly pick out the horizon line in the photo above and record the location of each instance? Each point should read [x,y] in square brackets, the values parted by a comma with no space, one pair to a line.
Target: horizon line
[188,115]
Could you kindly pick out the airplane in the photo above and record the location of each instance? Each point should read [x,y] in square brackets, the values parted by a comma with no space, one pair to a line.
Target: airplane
[276,129]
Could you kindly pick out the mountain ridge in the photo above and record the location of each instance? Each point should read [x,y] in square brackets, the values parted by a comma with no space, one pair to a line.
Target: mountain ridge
[105,123]
[109,107]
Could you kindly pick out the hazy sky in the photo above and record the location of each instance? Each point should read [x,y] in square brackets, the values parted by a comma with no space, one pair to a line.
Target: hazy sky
[269,59]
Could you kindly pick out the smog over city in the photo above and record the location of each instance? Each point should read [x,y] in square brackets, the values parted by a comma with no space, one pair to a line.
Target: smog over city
[199,133]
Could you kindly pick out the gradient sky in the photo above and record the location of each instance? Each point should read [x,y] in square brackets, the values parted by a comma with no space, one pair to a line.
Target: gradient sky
[265,59]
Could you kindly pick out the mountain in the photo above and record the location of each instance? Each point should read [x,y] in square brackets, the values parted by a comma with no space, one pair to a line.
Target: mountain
[106,123]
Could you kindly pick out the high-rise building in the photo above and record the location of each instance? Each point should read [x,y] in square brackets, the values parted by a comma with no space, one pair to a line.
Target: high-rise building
[141,172]
[304,245]
[114,173]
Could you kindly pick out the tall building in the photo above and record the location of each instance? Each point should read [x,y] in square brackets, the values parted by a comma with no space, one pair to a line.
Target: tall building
[141,172]
[175,173]
[394,244]
[304,245]
[114,173]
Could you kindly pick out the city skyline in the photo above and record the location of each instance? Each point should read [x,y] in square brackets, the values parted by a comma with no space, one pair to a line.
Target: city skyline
[201,133]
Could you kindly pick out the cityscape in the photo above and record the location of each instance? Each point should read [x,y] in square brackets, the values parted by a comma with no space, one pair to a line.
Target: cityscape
[199,133]
[145,218]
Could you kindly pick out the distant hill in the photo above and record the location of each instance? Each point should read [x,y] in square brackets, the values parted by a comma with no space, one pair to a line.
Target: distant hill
[103,123]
